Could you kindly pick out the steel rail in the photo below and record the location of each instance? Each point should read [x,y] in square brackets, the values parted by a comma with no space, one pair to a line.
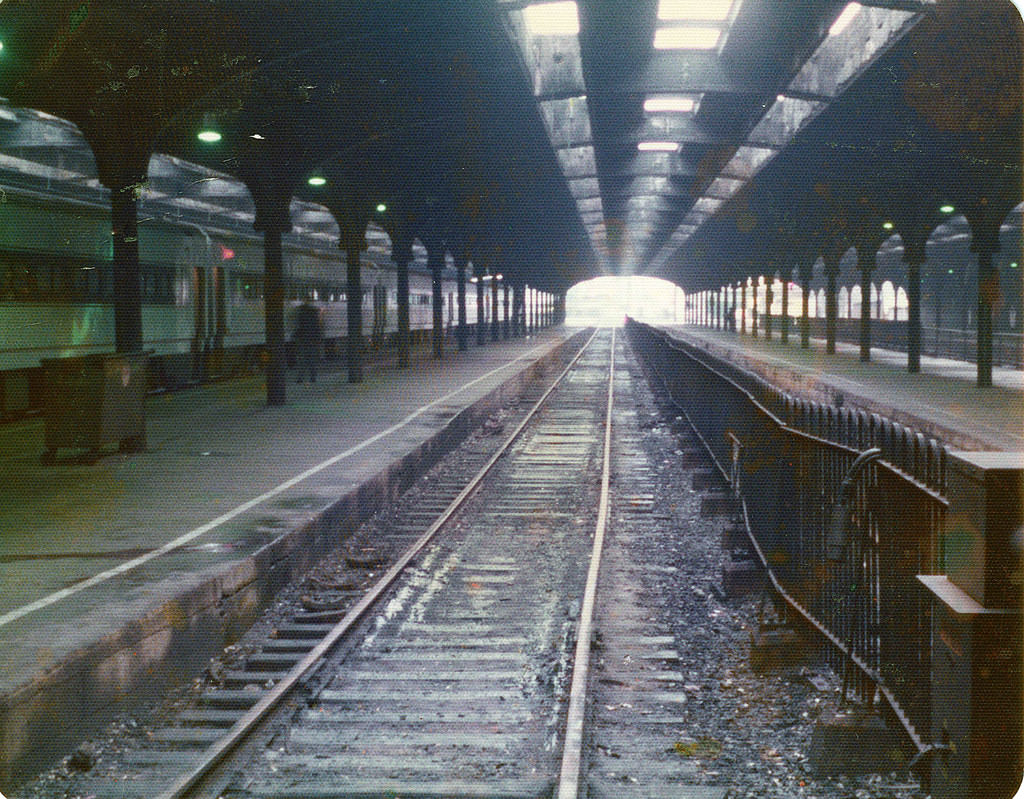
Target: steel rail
[219,750]
[572,752]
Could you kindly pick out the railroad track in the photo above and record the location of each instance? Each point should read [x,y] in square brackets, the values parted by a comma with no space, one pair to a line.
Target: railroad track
[463,670]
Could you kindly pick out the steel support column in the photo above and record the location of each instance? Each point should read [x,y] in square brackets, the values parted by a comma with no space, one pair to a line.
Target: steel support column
[784,319]
[435,262]
[495,320]
[805,311]
[273,219]
[462,333]
[743,307]
[831,272]
[988,295]
[480,332]
[866,265]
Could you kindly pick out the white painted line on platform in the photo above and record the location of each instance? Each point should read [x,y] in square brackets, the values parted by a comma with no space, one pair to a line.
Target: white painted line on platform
[128,565]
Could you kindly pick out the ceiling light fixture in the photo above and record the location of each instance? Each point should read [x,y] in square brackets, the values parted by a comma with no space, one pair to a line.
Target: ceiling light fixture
[669,103]
[658,146]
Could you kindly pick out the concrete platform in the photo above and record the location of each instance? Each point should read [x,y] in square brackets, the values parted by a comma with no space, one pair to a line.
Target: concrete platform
[941,401]
[123,576]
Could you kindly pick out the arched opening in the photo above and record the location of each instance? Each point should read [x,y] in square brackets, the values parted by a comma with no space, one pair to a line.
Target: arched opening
[844,303]
[855,302]
[796,299]
[606,301]
[821,303]
[902,303]
[887,302]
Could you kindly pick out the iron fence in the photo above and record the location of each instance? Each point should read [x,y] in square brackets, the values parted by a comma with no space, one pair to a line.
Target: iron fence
[845,557]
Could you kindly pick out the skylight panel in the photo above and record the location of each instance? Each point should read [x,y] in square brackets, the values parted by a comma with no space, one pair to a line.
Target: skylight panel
[701,10]
[708,205]
[845,18]
[844,54]
[577,161]
[724,188]
[552,19]
[589,204]
[687,38]
[784,120]
[567,121]
[587,187]
[747,162]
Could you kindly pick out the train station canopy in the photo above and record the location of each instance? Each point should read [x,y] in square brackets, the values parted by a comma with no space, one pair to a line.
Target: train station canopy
[555,140]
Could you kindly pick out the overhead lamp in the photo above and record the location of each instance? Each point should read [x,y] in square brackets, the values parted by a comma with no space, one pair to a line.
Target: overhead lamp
[669,103]
[687,38]
[256,136]
[552,19]
[658,146]
[381,208]
[703,10]
[947,209]
[317,180]
[208,132]
[844,19]
[1013,264]
[887,226]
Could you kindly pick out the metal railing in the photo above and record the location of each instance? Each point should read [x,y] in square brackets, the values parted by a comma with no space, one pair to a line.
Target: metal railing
[786,459]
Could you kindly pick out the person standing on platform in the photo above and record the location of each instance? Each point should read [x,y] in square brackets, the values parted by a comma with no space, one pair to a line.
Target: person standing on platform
[307,340]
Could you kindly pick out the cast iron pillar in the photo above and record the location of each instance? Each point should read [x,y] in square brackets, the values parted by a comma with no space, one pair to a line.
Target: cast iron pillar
[122,164]
[806,273]
[435,262]
[866,265]
[769,298]
[353,242]
[273,219]
[985,244]
[460,283]
[401,254]
[506,328]
[831,272]
[127,291]
[495,315]
[914,256]
[480,332]
[784,319]
[743,307]
[755,310]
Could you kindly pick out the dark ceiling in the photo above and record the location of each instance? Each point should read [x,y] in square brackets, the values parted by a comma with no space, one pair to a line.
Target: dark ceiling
[519,145]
